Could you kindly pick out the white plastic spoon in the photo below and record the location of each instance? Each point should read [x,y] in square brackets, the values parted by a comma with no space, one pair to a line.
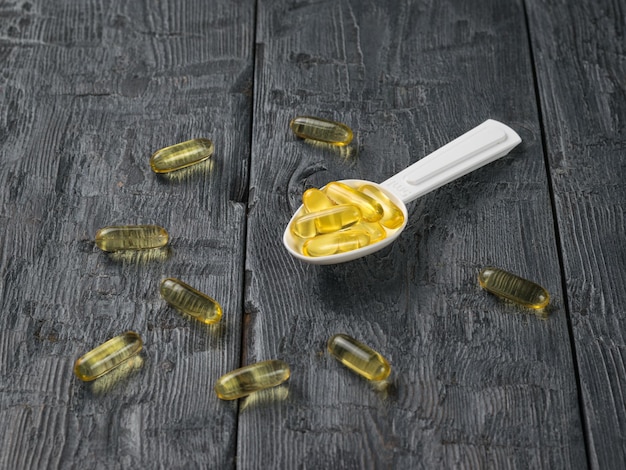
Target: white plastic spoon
[474,149]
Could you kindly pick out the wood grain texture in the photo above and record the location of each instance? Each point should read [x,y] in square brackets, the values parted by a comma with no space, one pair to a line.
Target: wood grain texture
[89,90]
[579,49]
[476,382]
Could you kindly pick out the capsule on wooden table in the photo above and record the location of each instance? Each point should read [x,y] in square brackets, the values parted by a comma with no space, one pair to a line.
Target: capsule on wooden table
[341,193]
[514,288]
[325,221]
[108,356]
[246,380]
[392,215]
[336,242]
[314,200]
[176,157]
[360,358]
[131,237]
[190,301]
[322,130]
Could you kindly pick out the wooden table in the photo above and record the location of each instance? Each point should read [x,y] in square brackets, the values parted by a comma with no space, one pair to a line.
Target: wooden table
[91,89]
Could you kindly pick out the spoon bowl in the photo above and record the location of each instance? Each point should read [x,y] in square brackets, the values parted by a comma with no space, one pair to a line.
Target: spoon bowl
[474,149]
[294,244]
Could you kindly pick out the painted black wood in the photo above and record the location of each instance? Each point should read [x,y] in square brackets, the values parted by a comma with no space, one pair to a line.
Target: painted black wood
[579,50]
[89,90]
[477,382]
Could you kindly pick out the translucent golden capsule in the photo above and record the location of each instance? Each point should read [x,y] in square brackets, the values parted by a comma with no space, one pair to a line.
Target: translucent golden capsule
[181,155]
[190,301]
[322,130]
[107,356]
[341,193]
[360,358]
[514,288]
[131,237]
[315,200]
[246,380]
[392,215]
[325,221]
[336,242]
[373,229]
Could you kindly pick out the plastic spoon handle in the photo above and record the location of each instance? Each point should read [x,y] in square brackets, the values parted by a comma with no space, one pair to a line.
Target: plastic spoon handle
[483,144]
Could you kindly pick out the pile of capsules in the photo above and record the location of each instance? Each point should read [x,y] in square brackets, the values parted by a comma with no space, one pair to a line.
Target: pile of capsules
[349,217]
[340,218]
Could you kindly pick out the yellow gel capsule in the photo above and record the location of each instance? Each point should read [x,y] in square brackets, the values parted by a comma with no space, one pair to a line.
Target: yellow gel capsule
[360,358]
[186,299]
[246,380]
[336,242]
[107,356]
[181,155]
[322,130]
[315,200]
[392,215]
[341,193]
[514,288]
[131,237]
[374,230]
[328,220]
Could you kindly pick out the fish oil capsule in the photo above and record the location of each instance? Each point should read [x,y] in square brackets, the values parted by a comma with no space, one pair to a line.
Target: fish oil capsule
[322,130]
[131,237]
[341,193]
[246,380]
[107,356]
[373,229]
[328,220]
[315,200]
[360,358]
[514,288]
[186,299]
[336,242]
[176,157]
[392,215]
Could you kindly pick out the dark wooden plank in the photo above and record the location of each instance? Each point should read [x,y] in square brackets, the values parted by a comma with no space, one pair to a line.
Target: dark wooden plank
[476,382]
[579,50]
[89,90]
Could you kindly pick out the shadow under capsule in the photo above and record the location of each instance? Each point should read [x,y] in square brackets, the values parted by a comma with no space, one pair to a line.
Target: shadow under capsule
[346,152]
[385,388]
[214,332]
[517,309]
[541,313]
[218,329]
[142,256]
[120,374]
[192,171]
[265,397]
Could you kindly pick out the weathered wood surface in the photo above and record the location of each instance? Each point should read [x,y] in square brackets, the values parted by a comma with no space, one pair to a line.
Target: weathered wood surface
[90,89]
[580,51]
[477,382]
